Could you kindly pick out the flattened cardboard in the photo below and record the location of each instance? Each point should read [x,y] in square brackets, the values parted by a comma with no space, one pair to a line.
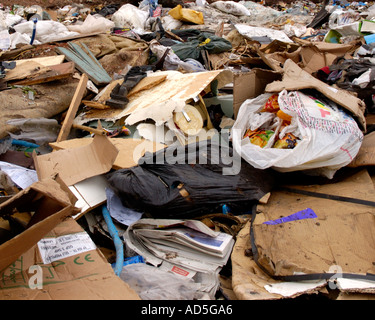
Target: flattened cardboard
[78,164]
[51,201]
[366,154]
[277,52]
[294,78]
[250,85]
[84,276]
[317,245]
[249,282]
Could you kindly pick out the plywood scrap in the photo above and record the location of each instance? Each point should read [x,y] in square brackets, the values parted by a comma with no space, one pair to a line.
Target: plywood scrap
[27,70]
[56,72]
[32,67]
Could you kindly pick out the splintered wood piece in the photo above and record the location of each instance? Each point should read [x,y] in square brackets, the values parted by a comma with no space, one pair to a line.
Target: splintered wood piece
[72,111]
[57,72]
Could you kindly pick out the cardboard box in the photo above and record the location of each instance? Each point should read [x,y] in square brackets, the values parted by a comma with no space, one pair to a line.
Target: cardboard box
[77,271]
[250,85]
[78,164]
[130,150]
[81,169]
[50,201]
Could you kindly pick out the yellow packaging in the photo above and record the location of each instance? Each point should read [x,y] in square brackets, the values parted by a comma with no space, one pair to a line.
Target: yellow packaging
[186,15]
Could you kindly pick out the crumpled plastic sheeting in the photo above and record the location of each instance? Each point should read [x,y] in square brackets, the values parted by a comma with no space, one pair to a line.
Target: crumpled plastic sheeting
[41,130]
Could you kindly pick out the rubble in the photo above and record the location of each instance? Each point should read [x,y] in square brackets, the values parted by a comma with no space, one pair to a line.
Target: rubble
[172,150]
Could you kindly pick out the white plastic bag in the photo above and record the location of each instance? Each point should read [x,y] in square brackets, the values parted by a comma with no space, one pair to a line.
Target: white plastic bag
[5,41]
[20,38]
[130,16]
[46,31]
[170,23]
[231,7]
[93,24]
[329,138]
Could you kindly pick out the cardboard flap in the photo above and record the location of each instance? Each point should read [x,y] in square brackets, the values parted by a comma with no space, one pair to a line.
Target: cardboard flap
[294,78]
[75,165]
[130,150]
[50,202]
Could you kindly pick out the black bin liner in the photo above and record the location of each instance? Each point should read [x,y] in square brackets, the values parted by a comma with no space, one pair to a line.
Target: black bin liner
[189,181]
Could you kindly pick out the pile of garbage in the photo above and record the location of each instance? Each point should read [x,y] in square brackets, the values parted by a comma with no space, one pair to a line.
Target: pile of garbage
[188,151]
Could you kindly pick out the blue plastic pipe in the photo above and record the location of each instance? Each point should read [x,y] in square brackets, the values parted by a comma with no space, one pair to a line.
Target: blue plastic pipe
[116,239]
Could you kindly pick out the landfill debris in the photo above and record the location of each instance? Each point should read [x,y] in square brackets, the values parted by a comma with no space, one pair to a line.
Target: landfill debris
[174,150]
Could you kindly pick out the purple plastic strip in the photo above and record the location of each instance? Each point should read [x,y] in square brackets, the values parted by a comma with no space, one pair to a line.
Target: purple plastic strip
[304,214]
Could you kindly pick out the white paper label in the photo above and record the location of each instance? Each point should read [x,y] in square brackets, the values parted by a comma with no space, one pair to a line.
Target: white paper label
[53,249]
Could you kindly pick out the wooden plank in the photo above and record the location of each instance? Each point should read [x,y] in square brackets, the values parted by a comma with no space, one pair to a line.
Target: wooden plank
[76,101]
[57,72]
[26,70]
[44,61]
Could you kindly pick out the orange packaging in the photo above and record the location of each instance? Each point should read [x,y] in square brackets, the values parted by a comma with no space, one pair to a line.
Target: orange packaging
[284,116]
[272,104]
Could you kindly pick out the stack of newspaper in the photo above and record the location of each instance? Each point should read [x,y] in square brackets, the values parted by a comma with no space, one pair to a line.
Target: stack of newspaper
[186,247]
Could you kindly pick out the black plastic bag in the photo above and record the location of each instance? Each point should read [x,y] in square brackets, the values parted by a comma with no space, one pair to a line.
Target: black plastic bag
[190,181]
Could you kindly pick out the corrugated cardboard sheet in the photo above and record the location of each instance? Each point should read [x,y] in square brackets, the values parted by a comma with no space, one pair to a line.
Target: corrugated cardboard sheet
[339,238]
[84,276]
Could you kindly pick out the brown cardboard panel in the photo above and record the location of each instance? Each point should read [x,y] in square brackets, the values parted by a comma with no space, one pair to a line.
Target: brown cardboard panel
[130,150]
[366,154]
[51,205]
[83,276]
[294,78]
[248,280]
[340,235]
[78,164]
